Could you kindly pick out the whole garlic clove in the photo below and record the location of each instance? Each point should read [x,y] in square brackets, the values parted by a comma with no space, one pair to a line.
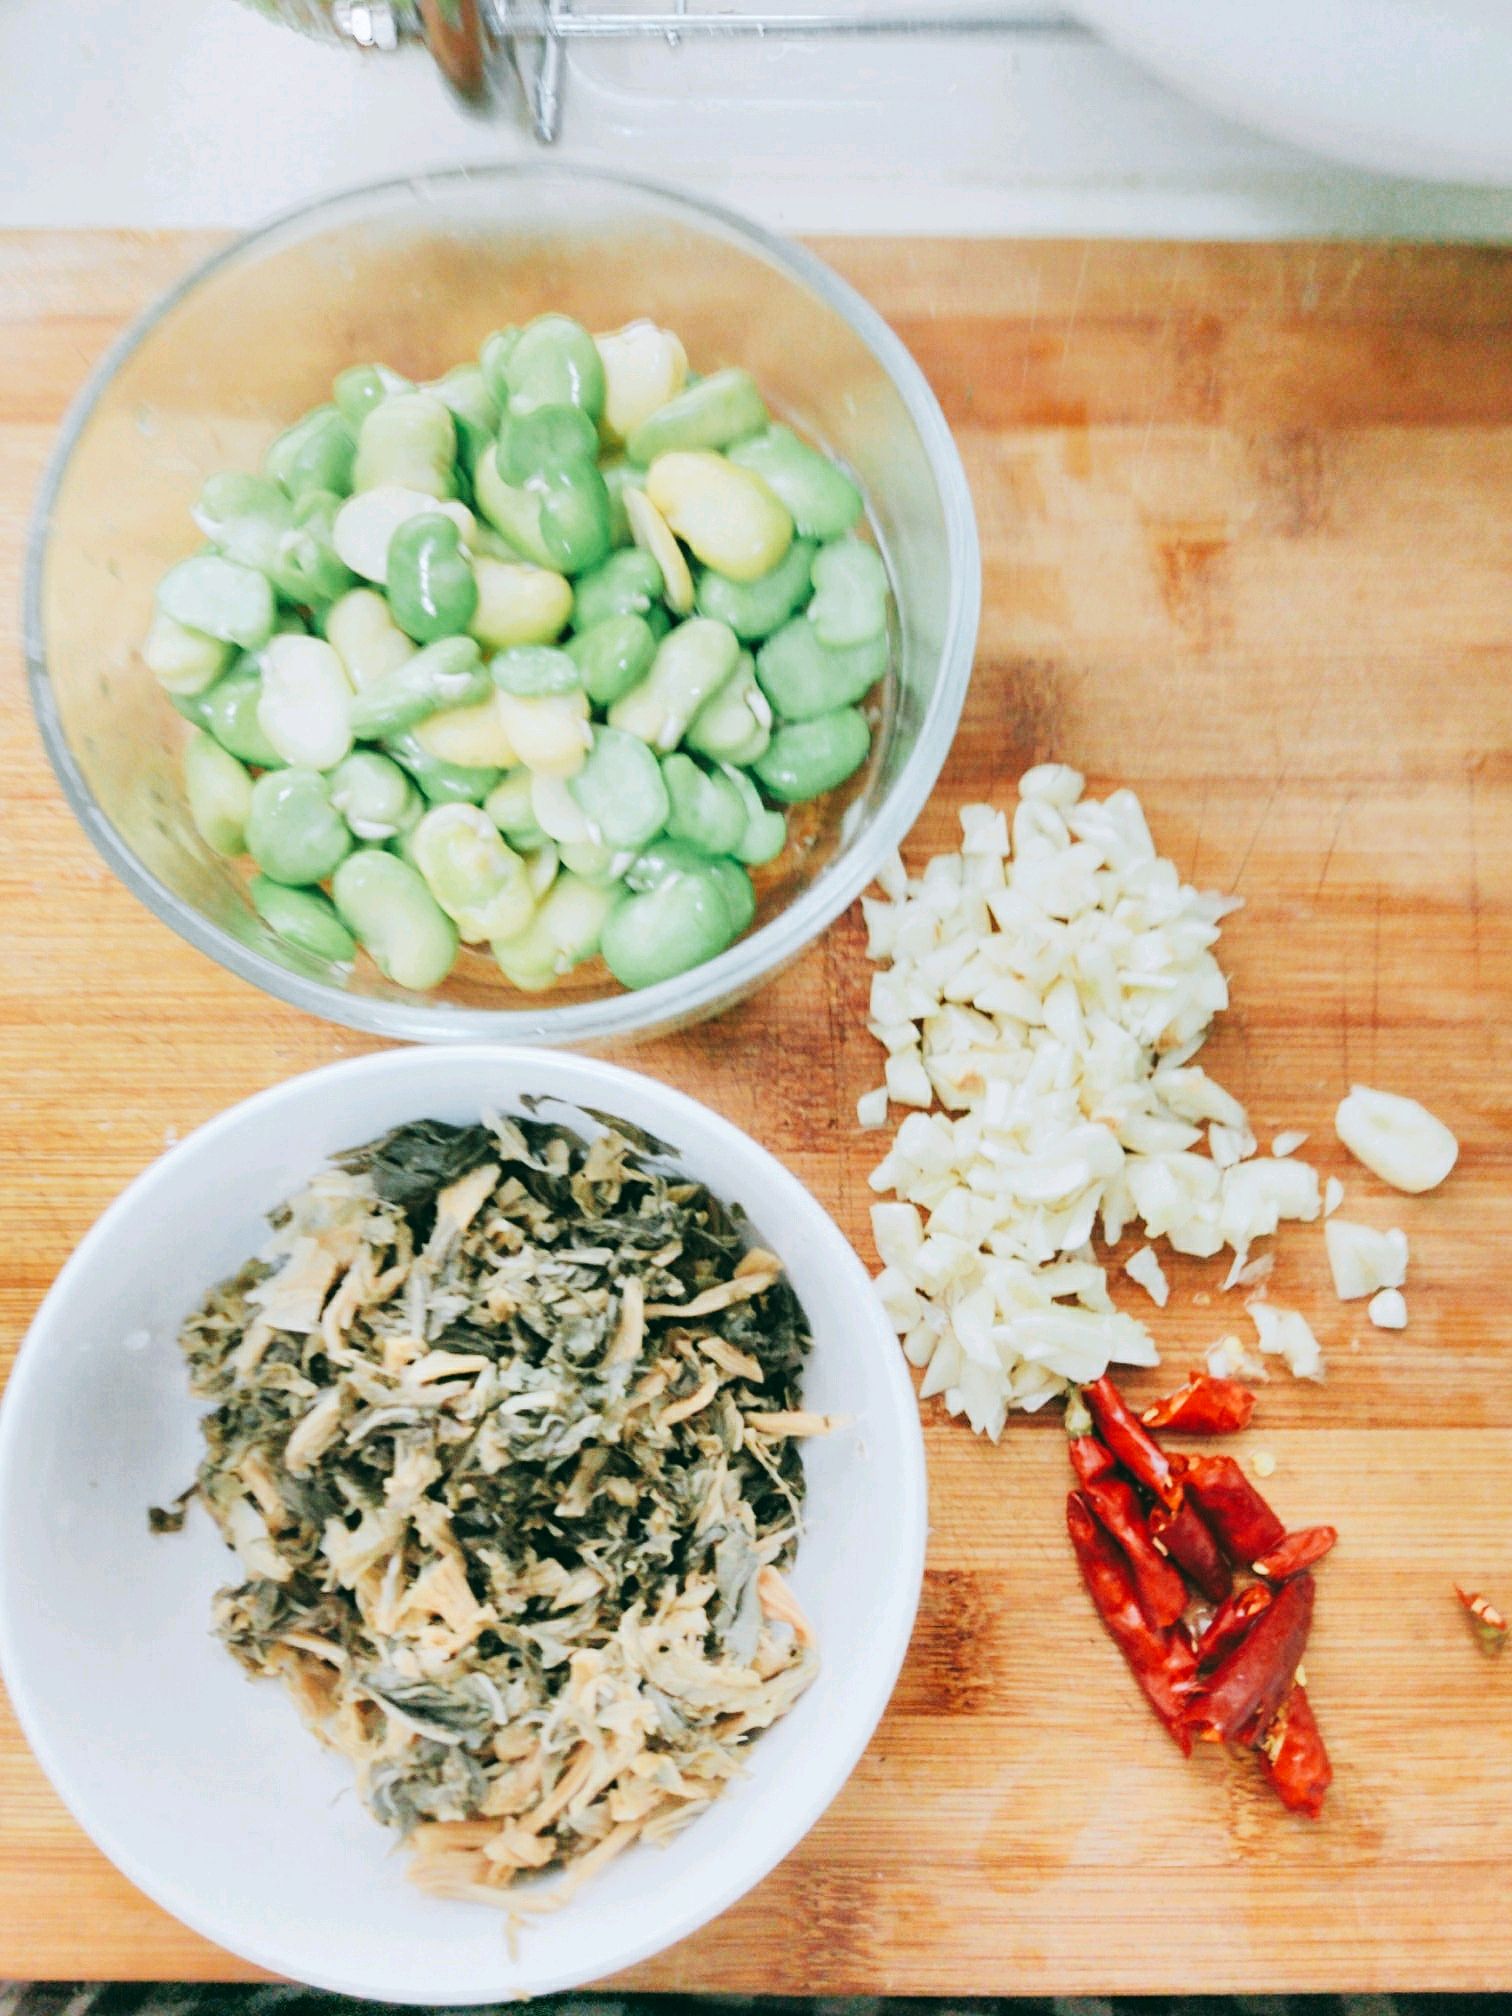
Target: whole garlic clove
[1396,1138]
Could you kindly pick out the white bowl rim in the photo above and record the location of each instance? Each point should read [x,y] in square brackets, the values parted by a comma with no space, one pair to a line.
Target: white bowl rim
[750,960]
[599,1081]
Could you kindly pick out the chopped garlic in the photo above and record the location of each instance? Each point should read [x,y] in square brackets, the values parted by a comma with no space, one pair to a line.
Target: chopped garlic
[1284,1333]
[1231,1358]
[1333,1196]
[1050,999]
[1289,1142]
[1246,1273]
[1362,1259]
[1396,1138]
[871,1108]
[1263,1463]
[1388,1310]
[1145,1268]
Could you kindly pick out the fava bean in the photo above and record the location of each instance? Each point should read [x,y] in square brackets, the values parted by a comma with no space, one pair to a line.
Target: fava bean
[362,387]
[229,713]
[183,661]
[374,796]
[481,884]
[804,678]
[728,516]
[518,604]
[565,931]
[666,859]
[510,808]
[595,861]
[307,568]
[534,669]
[735,726]
[719,409]
[820,498]
[432,590]
[465,394]
[408,440]
[558,813]
[441,782]
[677,925]
[705,808]
[305,707]
[549,731]
[754,609]
[620,476]
[493,362]
[692,662]
[511,510]
[219,598]
[365,637]
[653,534]
[808,758]
[626,584]
[384,902]
[612,657]
[294,832]
[541,866]
[644,367]
[304,918]
[552,453]
[475,736]
[244,517]
[553,362]
[366,524]
[316,453]
[622,790]
[765,833]
[738,890]
[219,791]
[850,594]
[443,675]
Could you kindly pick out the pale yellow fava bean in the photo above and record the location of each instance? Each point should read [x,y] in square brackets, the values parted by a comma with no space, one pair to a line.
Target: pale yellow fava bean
[549,731]
[653,535]
[476,737]
[726,514]
[518,604]
[183,661]
[644,367]
[365,636]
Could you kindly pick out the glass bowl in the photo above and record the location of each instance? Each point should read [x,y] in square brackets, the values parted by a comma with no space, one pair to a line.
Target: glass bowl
[416,273]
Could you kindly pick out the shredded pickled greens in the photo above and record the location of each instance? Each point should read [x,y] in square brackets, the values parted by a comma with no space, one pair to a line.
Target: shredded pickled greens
[504,1433]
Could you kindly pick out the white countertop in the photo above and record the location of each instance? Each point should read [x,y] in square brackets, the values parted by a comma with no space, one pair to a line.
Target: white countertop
[197,112]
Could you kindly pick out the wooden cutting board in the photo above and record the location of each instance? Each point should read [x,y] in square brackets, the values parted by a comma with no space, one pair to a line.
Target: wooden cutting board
[1246,516]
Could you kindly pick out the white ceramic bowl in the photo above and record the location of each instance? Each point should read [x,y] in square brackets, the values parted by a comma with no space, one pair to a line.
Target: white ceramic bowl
[203,1786]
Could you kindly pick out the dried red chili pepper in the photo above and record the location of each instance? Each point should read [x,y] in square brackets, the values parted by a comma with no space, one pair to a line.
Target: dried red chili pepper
[1245,1526]
[1487,1622]
[1189,1541]
[1142,1456]
[1089,1459]
[1297,1551]
[1231,1624]
[1203,1406]
[1293,1758]
[1162,1593]
[1162,1661]
[1239,1700]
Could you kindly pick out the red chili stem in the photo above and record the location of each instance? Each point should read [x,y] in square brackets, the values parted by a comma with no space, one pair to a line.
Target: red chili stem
[1161,1591]
[1297,1551]
[1245,1526]
[1231,1624]
[1188,1539]
[1203,1406]
[1240,1699]
[1161,1661]
[1140,1454]
[1293,1758]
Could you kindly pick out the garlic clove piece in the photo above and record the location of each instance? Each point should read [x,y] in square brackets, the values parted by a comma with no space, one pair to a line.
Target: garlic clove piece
[1396,1138]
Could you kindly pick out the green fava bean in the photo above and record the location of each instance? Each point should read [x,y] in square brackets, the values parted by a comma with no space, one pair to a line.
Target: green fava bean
[219,793]
[612,657]
[432,590]
[626,584]
[228,711]
[682,922]
[410,439]
[565,931]
[705,808]
[808,758]
[620,476]
[374,796]
[803,678]
[464,392]
[754,609]
[511,510]
[821,499]
[738,890]
[735,726]
[850,594]
[554,362]
[244,517]
[765,833]
[692,662]
[574,518]
[442,783]
[308,569]
[544,440]
[362,387]
[532,670]
[493,362]
[509,806]
[719,409]
[220,598]
[304,918]
[621,789]
[667,858]
[447,674]
[316,453]
[384,902]
[294,832]
[481,884]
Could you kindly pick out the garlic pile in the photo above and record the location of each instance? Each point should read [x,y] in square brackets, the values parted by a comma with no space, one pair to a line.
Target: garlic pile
[1052,1004]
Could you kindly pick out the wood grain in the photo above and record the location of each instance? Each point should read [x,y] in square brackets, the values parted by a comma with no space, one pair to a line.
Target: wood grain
[1248,547]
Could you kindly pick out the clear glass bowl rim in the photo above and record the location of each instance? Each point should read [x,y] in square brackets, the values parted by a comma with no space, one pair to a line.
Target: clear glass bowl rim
[748,962]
